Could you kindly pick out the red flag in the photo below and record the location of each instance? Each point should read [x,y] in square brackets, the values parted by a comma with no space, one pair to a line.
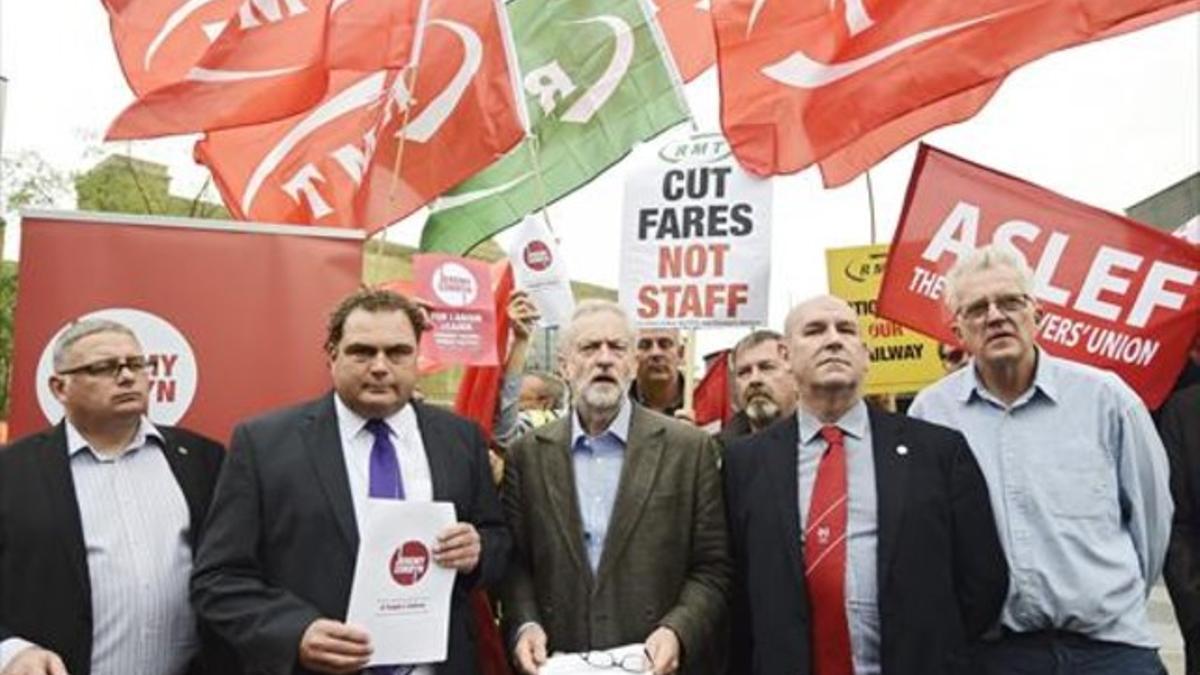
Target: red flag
[479,389]
[478,394]
[271,60]
[1113,293]
[334,165]
[688,30]
[871,148]
[711,400]
[157,41]
[802,80]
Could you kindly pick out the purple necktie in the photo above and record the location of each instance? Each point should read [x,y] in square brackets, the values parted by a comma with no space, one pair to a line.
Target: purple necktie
[385,484]
[385,470]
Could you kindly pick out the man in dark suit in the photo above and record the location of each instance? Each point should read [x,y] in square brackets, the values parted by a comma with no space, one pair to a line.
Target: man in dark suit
[99,516]
[275,569]
[645,559]
[1180,428]
[863,541]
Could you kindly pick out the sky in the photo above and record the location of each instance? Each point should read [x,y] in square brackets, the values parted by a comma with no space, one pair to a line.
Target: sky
[1108,123]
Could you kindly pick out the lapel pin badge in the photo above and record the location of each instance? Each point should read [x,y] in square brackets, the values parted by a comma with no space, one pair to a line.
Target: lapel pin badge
[183,450]
[902,450]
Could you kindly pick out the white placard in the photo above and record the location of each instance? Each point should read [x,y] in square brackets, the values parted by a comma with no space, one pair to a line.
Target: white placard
[538,270]
[399,595]
[695,239]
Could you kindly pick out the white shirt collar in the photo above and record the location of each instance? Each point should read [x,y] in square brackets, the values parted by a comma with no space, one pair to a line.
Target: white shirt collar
[76,443]
[400,423]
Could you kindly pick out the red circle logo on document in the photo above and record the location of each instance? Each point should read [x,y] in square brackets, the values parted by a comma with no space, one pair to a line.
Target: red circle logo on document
[537,255]
[409,563]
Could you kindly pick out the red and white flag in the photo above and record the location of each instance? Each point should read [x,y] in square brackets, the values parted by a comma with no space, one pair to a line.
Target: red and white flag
[158,41]
[803,80]
[687,27]
[335,164]
[1113,293]
[272,59]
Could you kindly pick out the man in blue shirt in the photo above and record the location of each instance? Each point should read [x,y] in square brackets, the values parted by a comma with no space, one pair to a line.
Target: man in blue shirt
[1077,477]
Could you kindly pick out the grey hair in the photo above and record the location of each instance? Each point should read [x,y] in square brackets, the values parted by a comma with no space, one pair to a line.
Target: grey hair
[81,329]
[992,256]
[753,339]
[587,308]
[555,387]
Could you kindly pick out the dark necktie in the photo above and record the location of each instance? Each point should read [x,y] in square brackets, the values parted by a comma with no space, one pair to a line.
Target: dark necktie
[825,560]
[386,483]
[385,479]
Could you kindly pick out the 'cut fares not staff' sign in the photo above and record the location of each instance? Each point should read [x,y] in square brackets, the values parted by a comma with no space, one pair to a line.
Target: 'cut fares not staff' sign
[695,243]
[1115,293]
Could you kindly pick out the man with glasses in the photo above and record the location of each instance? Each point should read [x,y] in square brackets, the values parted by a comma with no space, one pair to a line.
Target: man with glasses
[99,518]
[276,566]
[617,520]
[1077,476]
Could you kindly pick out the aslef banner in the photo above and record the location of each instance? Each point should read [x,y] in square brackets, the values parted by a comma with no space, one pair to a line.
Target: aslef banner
[902,360]
[695,239]
[1116,294]
[233,316]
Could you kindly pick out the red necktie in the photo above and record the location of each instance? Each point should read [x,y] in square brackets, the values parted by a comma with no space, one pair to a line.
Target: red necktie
[825,557]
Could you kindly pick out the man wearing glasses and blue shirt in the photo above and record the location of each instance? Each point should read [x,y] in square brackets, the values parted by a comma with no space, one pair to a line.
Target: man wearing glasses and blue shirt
[1078,483]
[99,519]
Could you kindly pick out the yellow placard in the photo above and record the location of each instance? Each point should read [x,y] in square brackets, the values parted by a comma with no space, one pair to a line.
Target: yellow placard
[902,360]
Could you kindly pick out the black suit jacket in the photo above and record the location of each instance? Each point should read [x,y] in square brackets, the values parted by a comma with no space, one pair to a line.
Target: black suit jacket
[1180,428]
[45,592]
[942,574]
[282,538]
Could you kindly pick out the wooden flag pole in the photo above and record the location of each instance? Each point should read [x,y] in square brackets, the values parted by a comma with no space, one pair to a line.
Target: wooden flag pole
[689,370]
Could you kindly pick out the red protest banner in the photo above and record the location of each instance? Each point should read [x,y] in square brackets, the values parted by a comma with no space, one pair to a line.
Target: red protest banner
[459,295]
[1116,294]
[232,335]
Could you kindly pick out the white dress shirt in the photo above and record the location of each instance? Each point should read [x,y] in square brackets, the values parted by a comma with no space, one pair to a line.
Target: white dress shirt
[357,441]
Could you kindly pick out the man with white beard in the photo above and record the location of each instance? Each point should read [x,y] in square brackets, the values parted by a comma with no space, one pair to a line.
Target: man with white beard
[617,519]
[764,388]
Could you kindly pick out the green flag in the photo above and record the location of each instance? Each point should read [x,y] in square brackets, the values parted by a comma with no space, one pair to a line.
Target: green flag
[597,80]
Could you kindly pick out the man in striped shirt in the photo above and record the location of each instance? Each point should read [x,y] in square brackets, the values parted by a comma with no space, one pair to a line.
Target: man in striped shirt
[99,517]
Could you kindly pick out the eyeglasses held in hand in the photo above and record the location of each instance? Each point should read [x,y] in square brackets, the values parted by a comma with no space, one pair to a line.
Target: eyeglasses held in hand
[630,663]
[110,367]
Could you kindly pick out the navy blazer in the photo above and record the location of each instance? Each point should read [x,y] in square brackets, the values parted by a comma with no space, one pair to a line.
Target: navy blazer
[282,539]
[942,576]
[45,591]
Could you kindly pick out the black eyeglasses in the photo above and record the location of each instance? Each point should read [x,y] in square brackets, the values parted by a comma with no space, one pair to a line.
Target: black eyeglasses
[110,367]
[630,663]
[1007,304]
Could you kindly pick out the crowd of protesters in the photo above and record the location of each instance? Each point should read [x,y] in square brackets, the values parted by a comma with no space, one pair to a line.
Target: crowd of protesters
[1012,522]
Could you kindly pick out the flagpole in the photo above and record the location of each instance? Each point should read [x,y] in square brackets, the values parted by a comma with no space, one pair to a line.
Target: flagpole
[871,204]
[689,375]
[543,193]
[409,74]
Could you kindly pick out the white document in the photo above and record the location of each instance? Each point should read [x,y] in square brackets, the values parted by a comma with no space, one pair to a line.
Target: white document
[399,595]
[603,661]
[538,270]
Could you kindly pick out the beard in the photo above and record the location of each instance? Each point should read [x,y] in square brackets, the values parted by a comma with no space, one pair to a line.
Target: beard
[601,397]
[762,410]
